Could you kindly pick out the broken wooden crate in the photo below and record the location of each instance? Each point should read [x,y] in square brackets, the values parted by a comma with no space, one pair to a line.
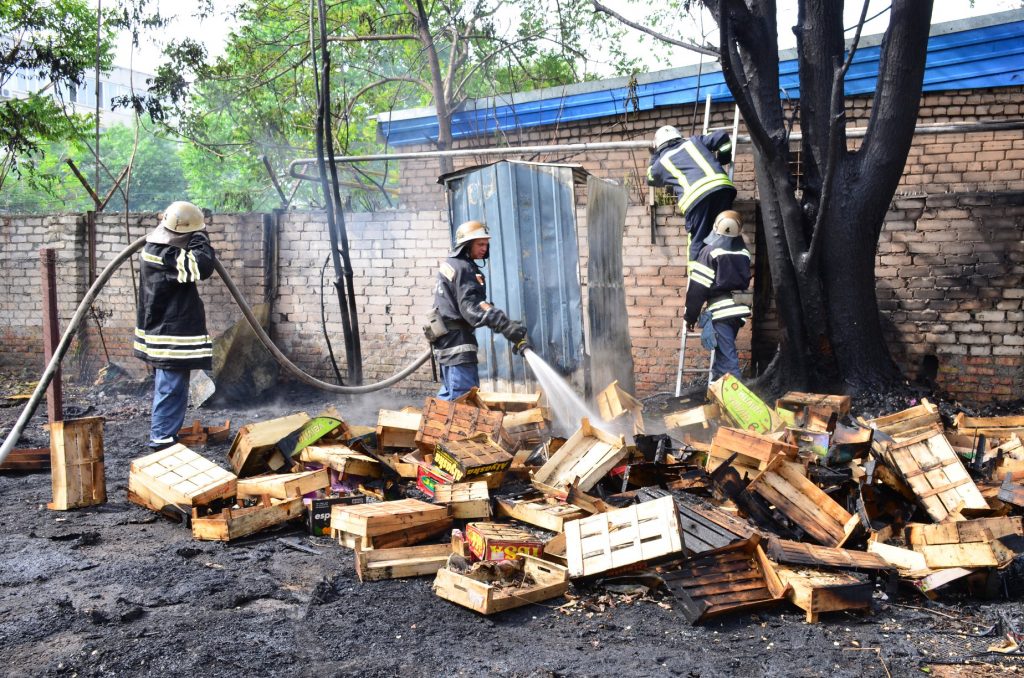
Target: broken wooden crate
[928,463]
[397,429]
[799,553]
[465,501]
[734,578]
[198,435]
[497,541]
[965,543]
[443,421]
[753,450]
[235,523]
[526,429]
[909,423]
[27,459]
[706,527]
[793,405]
[815,591]
[542,581]
[342,459]
[509,402]
[803,502]
[1012,489]
[283,485]
[255,447]
[400,563]
[587,455]
[471,458]
[178,478]
[76,462]
[366,521]
[615,405]
[622,537]
[539,510]
[993,428]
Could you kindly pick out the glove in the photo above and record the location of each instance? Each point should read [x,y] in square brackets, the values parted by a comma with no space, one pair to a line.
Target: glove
[515,332]
[497,320]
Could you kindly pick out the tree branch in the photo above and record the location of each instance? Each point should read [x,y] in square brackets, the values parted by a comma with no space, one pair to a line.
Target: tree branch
[365,88]
[685,44]
[370,38]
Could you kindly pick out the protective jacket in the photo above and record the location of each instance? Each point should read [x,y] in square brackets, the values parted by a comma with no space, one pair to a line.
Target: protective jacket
[722,267]
[691,169]
[170,329]
[460,290]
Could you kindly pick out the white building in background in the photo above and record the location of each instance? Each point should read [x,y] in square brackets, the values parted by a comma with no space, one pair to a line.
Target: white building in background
[117,83]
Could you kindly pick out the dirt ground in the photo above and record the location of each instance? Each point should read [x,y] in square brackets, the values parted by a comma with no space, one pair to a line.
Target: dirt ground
[118,590]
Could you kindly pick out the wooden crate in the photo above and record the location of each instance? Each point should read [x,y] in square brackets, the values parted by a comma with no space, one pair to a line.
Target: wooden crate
[798,553]
[803,502]
[755,450]
[817,591]
[734,578]
[27,459]
[702,416]
[993,428]
[928,463]
[635,534]
[549,581]
[179,477]
[526,428]
[509,402]
[400,563]
[742,407]
[706,527]
[398,429]
[76,463]
[443,421]
[539,510]
[613,402]
[342,459]
[198,435]
[368,520]
[235,523]
[471,458]
[496,541]
[283,485]
[909,423]
[408,536]
[255,447]
[587,455]
[795,401]
[964,531]
[465,501]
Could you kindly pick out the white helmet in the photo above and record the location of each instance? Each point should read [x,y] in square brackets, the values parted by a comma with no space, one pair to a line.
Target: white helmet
[470,230]
[183,217]
[664,135]
[728,223]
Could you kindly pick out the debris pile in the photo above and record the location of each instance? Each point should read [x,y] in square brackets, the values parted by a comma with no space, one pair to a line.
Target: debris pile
[738,506]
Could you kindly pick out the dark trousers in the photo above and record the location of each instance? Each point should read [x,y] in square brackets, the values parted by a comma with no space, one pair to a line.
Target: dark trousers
[170,398]
[701,218]
[726,358]
[456,380]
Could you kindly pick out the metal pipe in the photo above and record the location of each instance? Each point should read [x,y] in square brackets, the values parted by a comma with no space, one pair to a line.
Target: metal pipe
[853,133]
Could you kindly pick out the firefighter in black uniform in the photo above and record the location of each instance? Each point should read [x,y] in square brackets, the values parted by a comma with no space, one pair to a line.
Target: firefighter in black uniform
[722,267]
[460,306]
[170,331]
[692,168]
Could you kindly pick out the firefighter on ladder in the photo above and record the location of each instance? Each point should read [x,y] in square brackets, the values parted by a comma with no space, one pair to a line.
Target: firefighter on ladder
[721,268]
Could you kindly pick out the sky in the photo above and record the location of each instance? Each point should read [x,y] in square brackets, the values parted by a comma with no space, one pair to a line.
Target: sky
[214,32]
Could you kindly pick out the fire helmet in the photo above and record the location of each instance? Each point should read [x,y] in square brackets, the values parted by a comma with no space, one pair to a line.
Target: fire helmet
[664,135]
[183,217]
[728,223]
[470,230]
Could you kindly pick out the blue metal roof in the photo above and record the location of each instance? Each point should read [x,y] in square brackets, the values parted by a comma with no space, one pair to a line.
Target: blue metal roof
[977,57]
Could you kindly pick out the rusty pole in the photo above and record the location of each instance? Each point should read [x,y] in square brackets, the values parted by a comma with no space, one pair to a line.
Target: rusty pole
[51,331]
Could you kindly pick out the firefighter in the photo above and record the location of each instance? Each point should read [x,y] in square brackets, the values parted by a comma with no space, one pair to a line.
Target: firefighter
[460,306]
[722,267]
[692,168]
[170,331]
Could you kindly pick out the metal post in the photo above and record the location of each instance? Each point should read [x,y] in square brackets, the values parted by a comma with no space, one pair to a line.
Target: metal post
[51,332]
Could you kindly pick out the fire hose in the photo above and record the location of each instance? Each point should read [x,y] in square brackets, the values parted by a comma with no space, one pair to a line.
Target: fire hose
[83,309]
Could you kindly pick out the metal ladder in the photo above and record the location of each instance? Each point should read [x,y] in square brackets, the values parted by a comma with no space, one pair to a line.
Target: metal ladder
[689,336]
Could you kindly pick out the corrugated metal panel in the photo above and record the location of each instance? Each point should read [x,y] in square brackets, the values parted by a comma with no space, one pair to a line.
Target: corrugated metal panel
[988,56]
[533,270]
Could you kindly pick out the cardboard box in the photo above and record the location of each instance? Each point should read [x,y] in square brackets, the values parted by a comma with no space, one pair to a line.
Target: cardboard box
[318,512]
[428,477]
[494,541]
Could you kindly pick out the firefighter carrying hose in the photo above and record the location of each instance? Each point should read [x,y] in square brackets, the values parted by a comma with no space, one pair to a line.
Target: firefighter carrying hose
[460,306]
[721,268]
[692,168]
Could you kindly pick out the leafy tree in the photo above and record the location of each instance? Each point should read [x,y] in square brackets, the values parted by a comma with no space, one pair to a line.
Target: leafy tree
[821,238]
[54,43]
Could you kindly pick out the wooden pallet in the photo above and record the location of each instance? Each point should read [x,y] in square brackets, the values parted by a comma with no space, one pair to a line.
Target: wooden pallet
[497,541]
[742,407]
[342,459]
[909,423]
[817,591]
[587,455]
[539,510]
[369,520]
[283,485]
[443,421]
[615,404]
[400,563]
[928,463]
[635,534]
[734,578]
[27,459]
[398,429]
[803,502]
[470,458]
[76,462]
[465,501]
[235,523]
[178,476]
[799,553]
[255,447]
[549,581]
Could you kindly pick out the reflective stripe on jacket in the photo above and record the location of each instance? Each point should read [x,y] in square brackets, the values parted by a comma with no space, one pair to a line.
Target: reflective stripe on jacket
[459,291]
[690,169]
[722,267]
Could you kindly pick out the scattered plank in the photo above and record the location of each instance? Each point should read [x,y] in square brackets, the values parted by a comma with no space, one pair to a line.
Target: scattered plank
[400,563]
[964,531]
[907,562]
[587,455]
[255,447]
[549,581]
[817,591]
[76,462]
[1012,492]
[283,485]
[235,523]
[976,554]
[627,536]
[27,459]
[178,477]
